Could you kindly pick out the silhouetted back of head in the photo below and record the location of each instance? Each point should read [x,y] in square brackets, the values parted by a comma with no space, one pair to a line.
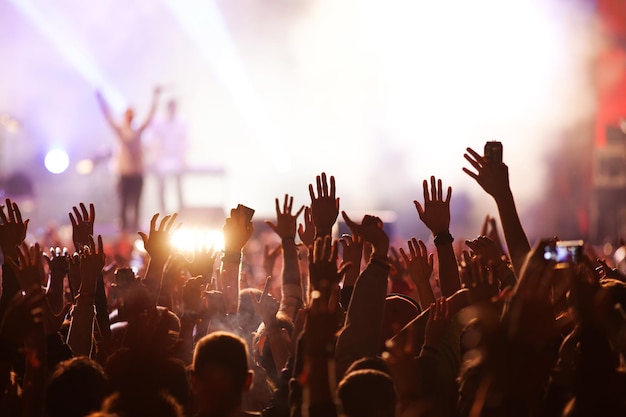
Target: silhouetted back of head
[76,388]
[367,393]
[156,404]
[374,363]
[220,372]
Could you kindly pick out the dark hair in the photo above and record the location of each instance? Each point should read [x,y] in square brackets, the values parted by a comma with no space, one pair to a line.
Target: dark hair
[76,388]
[367,393]
[224,351]
[374,363]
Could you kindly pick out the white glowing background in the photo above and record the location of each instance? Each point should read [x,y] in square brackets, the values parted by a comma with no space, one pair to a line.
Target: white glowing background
[380,93]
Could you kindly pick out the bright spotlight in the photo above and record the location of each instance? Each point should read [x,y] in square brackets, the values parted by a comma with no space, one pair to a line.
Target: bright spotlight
[57,161]
[84,167]
[186,240]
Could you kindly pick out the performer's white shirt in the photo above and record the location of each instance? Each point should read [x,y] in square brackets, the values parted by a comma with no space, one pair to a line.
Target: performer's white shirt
[129,152]
[168,145]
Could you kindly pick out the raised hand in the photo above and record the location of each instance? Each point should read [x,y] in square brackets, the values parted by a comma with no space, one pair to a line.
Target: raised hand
[324,207]
[30,274]
[353,254]
[437,324]
[266,306]
[490,230]
[491,176]
[23,312]
[420,267]
[435,213]
[58,264]
[237,231]
[371,230]
[269,259]
[28,267]
[57,261]
[306,231]
[12,229]
[285,225]
[479,280]
[158,242]
[486,248]
[91,263]
[202,263]
[82,225]
[323,271]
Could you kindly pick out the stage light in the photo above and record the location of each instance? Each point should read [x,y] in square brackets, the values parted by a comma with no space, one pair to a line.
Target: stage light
[46,18]
[57,161]
[187,240]
[84,167]
[204,24]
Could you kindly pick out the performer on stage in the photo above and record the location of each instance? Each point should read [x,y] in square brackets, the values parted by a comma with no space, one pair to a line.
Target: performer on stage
[129,160]
[168,143]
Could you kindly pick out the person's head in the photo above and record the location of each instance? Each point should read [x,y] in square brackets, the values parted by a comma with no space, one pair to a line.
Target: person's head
[371,362]
[77,387]
[157,404]
[367,393]
[220,372]
[247,317]
[129,115]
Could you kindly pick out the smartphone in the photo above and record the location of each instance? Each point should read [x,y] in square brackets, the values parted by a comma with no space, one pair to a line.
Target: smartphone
[564,252]
[124,277]
[247,210]
[493,151]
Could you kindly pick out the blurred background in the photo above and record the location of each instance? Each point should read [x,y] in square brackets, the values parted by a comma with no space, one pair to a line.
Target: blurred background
[379,93]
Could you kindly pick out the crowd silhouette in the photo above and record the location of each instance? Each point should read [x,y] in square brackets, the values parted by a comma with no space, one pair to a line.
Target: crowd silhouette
[349,327]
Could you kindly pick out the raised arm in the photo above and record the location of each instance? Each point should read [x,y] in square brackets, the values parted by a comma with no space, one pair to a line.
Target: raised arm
[364,320]
[237,229]
[420,266]
[80,334]
[493,177]
[12,234]
[285,228]
[106,111]
[435,214]
[158,245]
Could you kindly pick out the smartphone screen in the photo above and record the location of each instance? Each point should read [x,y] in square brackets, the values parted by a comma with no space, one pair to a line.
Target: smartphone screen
[564,252]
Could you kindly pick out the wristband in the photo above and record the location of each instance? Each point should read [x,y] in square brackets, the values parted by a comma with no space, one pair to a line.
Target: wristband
[289,238]
[443,238]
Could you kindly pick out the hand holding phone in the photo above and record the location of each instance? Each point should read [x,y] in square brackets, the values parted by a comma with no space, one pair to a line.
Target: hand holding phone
[564,252]
[493,151]
[248,212]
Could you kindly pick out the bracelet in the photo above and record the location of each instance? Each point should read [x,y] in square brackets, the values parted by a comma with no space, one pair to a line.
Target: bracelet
[443,238]
[231,257]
